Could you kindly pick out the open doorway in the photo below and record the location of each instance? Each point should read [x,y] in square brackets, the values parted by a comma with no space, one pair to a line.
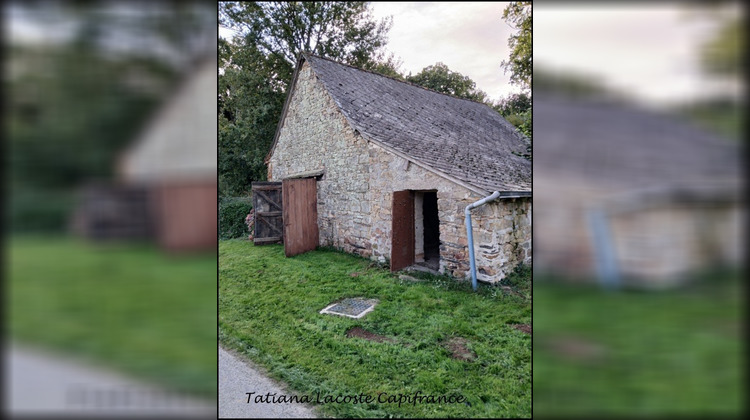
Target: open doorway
[427,230]
[415,230]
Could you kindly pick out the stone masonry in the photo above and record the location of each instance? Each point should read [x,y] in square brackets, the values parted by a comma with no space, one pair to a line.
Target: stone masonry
[355,193]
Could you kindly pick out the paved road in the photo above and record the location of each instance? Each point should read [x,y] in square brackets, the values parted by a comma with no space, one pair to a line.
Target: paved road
[237,377]
[40,383]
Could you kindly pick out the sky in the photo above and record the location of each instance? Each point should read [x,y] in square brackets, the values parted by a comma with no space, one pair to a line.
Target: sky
[649,51]
[469,37]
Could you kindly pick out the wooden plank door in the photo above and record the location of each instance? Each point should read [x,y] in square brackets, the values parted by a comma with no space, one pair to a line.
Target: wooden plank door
[300,215]
[268,208]
[402,230]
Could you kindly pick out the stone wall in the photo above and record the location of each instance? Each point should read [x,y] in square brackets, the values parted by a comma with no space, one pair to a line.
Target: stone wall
[315,136]
[502,229]
[355,194]
[663,245]
[656,243]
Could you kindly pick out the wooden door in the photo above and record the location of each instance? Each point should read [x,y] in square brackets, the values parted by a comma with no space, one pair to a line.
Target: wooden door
[268,208]
[300,215]
[402,230]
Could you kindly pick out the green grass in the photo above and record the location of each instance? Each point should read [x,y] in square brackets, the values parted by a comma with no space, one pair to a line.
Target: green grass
[129,307]
[269,311]
[669,353]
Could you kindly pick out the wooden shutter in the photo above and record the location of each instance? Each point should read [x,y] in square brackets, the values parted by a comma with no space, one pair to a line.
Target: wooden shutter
[268,208]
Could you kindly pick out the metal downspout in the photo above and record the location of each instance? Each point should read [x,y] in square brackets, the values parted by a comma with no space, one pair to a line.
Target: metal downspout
[470,235]
[604,249]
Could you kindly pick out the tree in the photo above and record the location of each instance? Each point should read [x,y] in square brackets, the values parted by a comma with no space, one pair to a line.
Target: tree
[515,103]
[440,78]
[518,15]
[516,109]
[722,54]
[76,101]
[258,65]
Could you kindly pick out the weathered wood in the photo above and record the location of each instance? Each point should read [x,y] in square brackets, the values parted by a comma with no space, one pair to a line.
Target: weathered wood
[402,230]
[272,226]
[307,174]
[270,213]
[268,199]
[300,215]
[270,239]
[268,208]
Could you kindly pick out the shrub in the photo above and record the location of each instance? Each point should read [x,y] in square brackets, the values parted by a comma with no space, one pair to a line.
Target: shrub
[232,214]
[32,210]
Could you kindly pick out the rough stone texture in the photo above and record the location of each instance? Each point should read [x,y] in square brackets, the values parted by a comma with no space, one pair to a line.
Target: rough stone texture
[595,150]
[668,242]
[502,229]
[466,140]
[316,136]
[656,242]
[355,194]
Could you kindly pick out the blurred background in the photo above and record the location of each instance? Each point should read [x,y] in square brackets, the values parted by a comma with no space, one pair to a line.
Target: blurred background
[110,218]
[638,114]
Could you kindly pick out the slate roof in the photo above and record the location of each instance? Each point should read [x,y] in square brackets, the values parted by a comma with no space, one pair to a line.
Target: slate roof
[462,139]
[623,146]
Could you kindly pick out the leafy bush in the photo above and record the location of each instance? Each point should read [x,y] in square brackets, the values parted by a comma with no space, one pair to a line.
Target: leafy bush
[232,214]
[33,210]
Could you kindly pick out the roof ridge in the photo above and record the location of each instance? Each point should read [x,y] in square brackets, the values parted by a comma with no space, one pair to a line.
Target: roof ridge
[393,78]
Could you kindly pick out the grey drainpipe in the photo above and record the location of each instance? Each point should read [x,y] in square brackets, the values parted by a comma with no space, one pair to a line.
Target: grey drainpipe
[470,235]
[605,257]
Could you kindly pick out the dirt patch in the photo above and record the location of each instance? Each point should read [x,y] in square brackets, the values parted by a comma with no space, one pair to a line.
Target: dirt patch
[522,327]
[576,348]
[459,350]
[367,335]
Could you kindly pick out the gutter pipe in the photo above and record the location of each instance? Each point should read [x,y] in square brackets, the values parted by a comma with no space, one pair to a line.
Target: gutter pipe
[608,272]
[467,213]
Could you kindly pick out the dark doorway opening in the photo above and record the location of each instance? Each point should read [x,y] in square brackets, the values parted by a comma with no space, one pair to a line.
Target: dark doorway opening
[431,230]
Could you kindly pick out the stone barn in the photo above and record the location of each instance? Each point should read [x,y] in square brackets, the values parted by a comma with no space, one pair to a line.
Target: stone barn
[165,187]
[631,197]
[393,166]
[174,161]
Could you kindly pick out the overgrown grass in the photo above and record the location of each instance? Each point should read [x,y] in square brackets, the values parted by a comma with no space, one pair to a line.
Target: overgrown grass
[126,306]
[629,353]
[269,311]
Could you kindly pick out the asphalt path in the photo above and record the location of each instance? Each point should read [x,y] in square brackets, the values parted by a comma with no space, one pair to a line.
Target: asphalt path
[238,377]
[44,384]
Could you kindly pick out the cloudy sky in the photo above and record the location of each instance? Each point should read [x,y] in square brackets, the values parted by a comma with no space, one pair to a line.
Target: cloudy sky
[469,37]
[649,51]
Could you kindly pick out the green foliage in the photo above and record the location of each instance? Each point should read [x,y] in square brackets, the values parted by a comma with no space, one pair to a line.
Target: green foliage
[232,213]
[71,126]
[516,109]
[269,312]
[440,78]
[259,63]
[518,15]
[250,108]
[74,106]
[343,31]
[723,53]
[722,116]
[572,85]
[516,103]
[387,66]
[129,307]
[39,210]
